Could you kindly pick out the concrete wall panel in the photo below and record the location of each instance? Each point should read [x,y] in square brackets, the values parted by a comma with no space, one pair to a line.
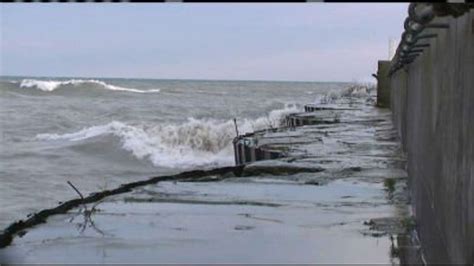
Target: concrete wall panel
[433,108]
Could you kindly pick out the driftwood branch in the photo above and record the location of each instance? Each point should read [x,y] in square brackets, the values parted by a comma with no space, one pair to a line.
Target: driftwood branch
[87,214]
[77,190]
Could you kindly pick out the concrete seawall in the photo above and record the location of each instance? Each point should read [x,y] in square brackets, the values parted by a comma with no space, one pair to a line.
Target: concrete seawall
[432,100]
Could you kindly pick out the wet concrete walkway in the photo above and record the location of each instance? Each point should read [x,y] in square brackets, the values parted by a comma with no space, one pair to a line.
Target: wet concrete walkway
[337,195]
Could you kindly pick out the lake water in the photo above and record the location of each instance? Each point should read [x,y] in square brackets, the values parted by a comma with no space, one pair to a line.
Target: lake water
[99,133]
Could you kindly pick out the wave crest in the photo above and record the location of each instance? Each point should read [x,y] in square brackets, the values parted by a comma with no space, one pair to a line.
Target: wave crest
[51,85]
[196,142]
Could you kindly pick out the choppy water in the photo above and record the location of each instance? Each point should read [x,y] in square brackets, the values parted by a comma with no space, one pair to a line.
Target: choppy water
[99,133]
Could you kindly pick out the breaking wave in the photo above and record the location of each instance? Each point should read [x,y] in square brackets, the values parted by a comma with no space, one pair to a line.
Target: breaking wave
[361,91]
[196,142]
[51,85]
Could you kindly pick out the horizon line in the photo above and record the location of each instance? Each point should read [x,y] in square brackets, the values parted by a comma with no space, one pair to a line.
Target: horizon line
[178,79]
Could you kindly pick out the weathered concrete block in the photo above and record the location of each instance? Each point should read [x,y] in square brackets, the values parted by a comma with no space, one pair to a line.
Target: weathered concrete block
[246,150]
[383,84]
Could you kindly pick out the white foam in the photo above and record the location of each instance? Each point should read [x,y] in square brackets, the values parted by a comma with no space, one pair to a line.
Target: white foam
[51,85]
[196,142]
[357,90]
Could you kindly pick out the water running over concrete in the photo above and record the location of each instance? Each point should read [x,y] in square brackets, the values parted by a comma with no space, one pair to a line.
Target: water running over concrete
[337,194]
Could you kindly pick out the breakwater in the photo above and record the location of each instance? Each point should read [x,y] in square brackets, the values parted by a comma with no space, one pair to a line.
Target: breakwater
[335,185]
[432,101]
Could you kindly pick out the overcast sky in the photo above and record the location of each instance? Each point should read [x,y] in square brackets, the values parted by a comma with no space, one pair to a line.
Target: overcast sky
[309,42]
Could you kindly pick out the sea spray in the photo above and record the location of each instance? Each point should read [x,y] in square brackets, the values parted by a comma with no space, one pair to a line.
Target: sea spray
[193,143]
[355,91]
